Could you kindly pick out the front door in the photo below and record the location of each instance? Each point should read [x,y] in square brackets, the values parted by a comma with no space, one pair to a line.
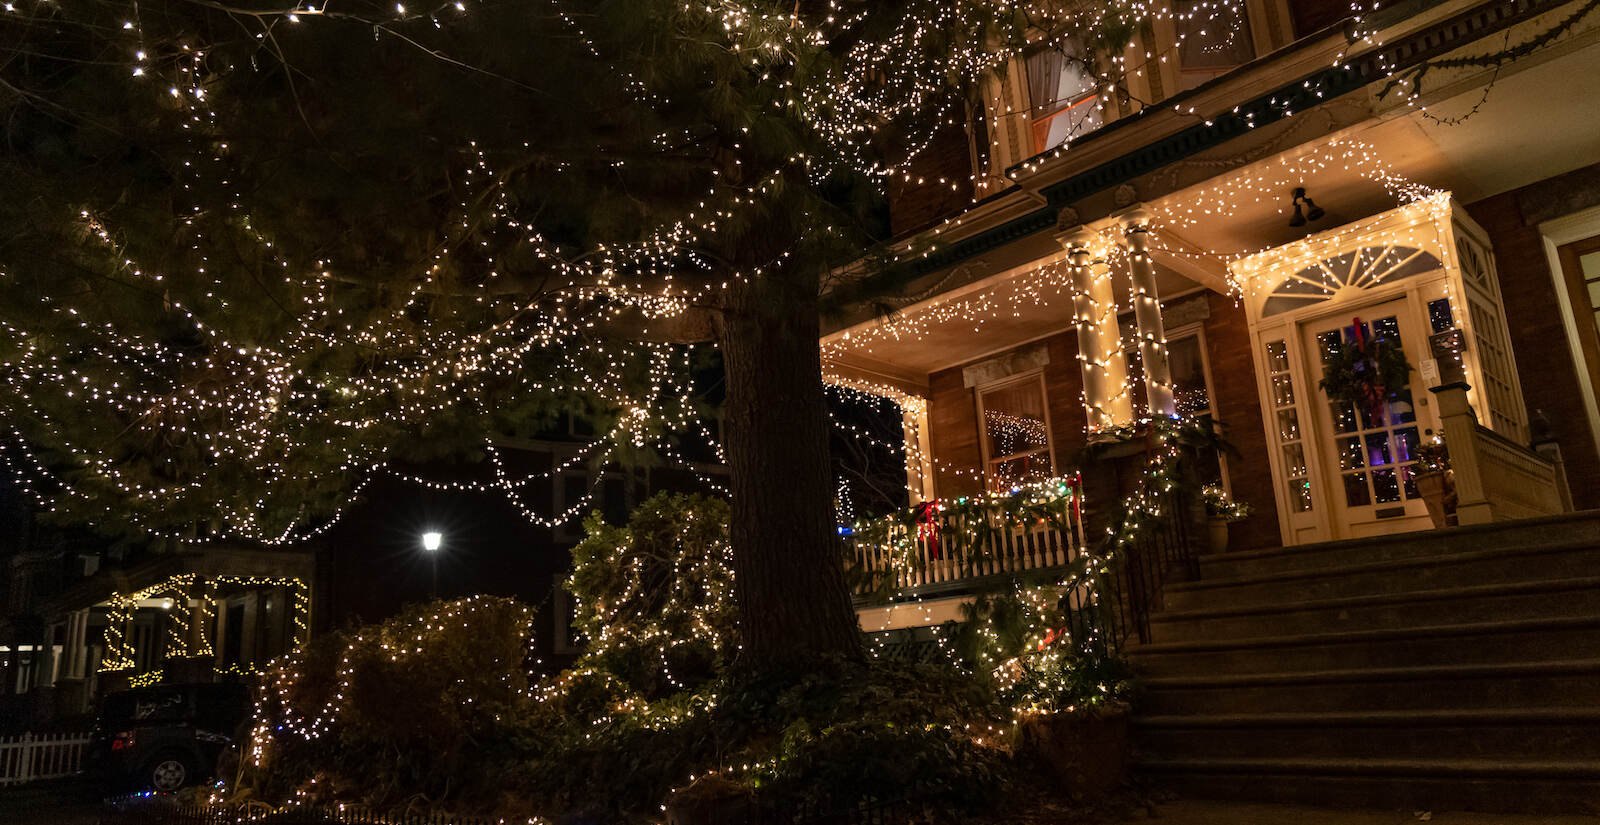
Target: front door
[1368,455]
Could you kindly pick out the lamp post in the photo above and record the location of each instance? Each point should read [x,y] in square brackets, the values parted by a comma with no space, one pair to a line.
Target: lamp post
[431,541]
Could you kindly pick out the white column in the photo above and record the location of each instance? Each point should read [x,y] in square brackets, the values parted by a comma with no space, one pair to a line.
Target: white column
[919,457]
[1147,314]
[77,643]
[1094,314]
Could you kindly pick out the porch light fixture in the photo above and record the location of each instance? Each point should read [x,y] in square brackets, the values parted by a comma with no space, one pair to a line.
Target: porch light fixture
[1312,210]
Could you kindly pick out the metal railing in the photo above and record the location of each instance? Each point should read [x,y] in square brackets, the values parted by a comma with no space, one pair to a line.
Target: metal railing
[1111,601]
[34,756]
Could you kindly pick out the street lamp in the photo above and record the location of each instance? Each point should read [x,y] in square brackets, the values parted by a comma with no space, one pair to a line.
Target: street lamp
[431,541]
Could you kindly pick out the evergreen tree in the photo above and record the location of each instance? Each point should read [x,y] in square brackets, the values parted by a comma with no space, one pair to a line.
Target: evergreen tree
[249,253]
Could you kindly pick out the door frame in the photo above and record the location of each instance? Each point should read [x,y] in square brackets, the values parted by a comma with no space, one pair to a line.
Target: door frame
[1557,233]
[1435,225]
[1317,432]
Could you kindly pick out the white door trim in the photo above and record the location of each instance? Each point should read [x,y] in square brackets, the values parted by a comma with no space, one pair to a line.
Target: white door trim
[1556,233]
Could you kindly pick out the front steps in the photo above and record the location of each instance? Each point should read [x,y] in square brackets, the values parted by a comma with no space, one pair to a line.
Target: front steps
[1452,670]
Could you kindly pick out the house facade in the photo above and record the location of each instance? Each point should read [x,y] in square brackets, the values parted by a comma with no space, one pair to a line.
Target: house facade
[1206,222]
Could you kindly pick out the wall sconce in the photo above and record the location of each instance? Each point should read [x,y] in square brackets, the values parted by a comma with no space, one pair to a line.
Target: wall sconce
[1312,210]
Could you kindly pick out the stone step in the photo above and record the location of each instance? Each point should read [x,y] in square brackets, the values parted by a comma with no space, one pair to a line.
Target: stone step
[1468,569]
[1551,598]
[1404,784]
[1572,684]
[1497,733]
[1453,644]
[1569,528]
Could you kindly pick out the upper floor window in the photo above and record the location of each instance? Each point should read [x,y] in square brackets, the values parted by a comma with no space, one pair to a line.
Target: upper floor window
[1214,38]
[1016,434]
[1063,93]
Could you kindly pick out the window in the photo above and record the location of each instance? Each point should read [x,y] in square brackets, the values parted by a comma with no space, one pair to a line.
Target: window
[1191,394]
[1213,38]
[1281,385]
[1016,434]
[1063,94]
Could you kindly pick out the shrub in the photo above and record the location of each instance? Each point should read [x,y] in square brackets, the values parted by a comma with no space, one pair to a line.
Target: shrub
[414,708]
[654,598]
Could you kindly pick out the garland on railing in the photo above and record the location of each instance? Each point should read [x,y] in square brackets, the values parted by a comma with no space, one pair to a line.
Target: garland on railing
[966,528]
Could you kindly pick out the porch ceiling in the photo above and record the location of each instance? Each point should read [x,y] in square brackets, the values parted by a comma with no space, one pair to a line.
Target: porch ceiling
[1536,122]
[987,316]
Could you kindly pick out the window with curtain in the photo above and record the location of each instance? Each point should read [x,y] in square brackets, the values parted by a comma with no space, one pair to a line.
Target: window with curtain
[1063,93]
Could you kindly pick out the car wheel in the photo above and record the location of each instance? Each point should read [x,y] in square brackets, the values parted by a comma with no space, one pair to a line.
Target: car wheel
[168,773]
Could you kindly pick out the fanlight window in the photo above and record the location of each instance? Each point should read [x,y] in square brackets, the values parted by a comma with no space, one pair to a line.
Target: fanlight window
[1360,269]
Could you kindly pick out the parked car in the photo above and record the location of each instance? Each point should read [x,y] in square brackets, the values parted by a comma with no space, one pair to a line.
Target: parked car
[167,736]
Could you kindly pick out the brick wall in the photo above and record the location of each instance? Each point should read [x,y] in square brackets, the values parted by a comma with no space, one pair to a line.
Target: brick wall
[953,417]
[1311,16]
[913,205]
[1538,334]
[1238,406]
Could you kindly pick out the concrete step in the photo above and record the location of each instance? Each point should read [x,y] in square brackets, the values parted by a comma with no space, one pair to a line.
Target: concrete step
[1496,733]
[1550,598]
[1452,644]
[1569,684]
[1569,528]
[1468,569]
[1404,784]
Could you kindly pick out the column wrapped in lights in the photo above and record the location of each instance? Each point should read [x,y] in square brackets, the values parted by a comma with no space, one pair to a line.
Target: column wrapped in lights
[1147,314]
[1094,315]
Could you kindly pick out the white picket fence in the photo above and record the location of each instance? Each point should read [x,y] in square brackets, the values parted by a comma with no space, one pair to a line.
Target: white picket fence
[41,756]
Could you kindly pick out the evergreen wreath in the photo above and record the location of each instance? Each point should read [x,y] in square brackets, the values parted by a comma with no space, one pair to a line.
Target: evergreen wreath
[1367,372]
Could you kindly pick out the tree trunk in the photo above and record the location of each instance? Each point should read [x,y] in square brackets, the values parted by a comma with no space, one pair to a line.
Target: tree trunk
[789,571]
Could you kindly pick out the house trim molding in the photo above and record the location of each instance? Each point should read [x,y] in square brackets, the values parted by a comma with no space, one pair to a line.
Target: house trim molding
[1556,233]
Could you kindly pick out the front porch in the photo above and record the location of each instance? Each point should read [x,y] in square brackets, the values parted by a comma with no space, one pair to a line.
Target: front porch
[179,617]
[1005,384]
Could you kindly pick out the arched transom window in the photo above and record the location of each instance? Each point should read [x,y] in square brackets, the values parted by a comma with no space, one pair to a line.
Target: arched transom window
[1362,268]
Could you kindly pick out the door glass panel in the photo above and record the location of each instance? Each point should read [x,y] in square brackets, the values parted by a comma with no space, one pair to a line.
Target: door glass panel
[1384,486]
[1282,390]
[1281,379]
[1344,418]
[1355,490]
[1405,442]
[1299,494]
[1349,453]
[1294,460]
[1378,449]
[1440,317]
[1288,425]
[1277,357]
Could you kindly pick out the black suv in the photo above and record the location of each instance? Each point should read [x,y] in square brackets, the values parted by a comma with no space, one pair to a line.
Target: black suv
[168,736]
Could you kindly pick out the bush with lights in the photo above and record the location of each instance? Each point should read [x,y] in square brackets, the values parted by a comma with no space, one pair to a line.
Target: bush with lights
[439,707]
[414,708]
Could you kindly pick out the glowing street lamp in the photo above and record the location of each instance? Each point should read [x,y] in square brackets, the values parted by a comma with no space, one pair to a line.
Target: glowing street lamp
[431,542]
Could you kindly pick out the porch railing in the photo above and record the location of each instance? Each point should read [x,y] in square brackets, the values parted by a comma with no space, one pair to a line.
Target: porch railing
[1495,477]
[1037,528]
[33,756]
